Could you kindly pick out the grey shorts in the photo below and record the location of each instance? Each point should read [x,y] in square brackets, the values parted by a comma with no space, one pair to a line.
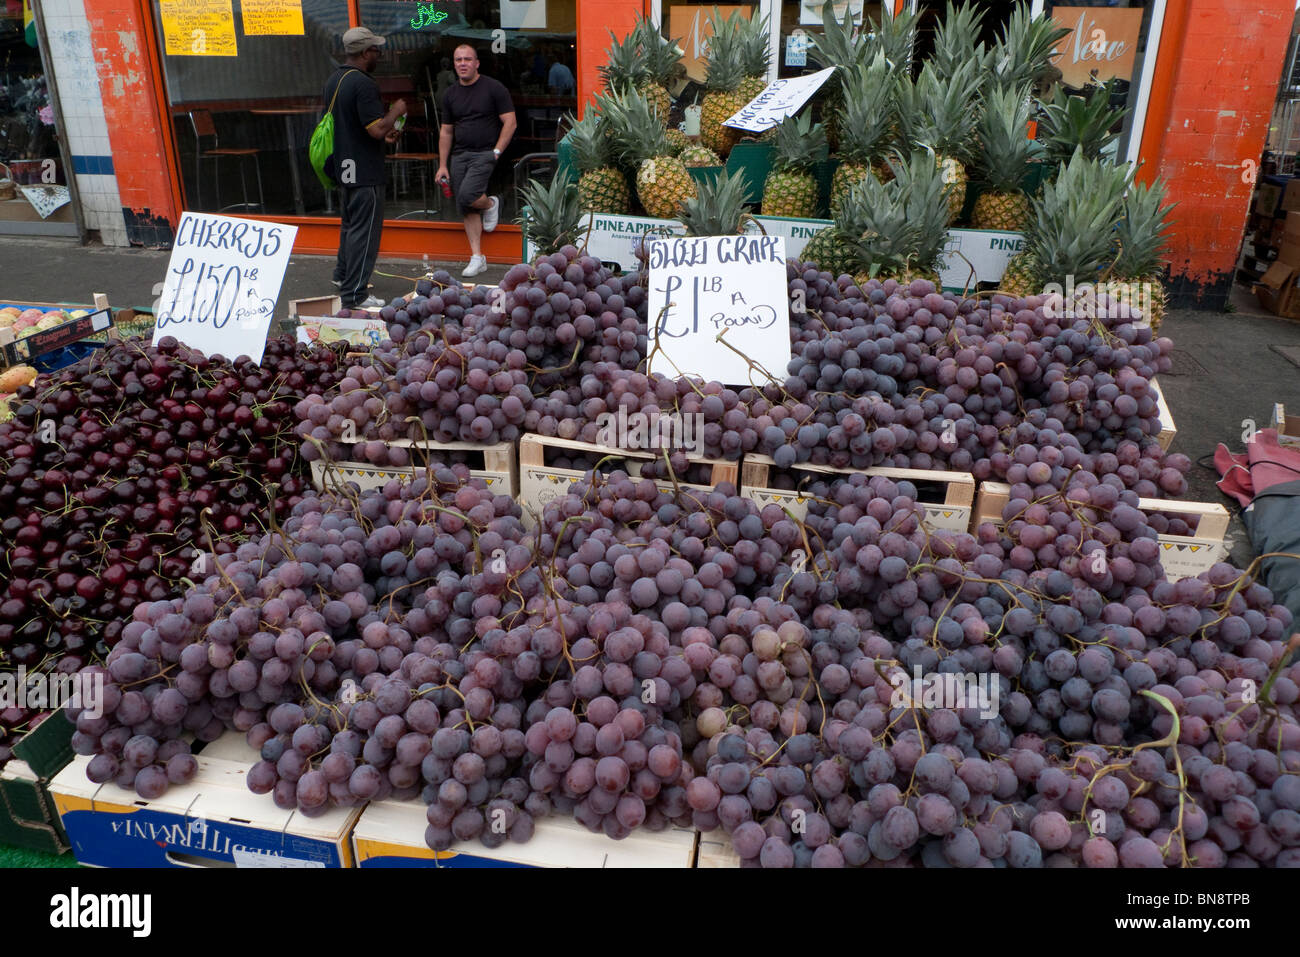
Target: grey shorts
[470,171]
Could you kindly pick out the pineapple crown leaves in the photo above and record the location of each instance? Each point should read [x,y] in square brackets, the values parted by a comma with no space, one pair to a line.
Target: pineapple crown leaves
[1023,52]
[589,139]
[939,114]
[1085,122]
[841,42]
[756,47]
[1005,147]
[799,144]
[718,206]
[1072,227]
[625,67]
[663,57]
[870,105]
[552,216]
[725,64]
[899,224]
[895,36]
[956,39]
[635,127]
[1142,234]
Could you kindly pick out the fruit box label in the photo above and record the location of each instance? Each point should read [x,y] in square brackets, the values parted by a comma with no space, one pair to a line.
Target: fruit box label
[976,255]
[141,837]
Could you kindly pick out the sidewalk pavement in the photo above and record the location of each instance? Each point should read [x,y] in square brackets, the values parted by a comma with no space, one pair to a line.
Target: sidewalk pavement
[1229,367]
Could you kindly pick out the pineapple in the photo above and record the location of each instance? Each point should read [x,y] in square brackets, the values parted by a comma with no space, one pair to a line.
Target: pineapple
[894,35]
[940,115]
[1023,53]
[1142,238]
[625,68]
[732,53]
[601,185]
[956,39]
[1020,280]
[718,209]
[842,45]
[755,57]
[1077,121]
[1070,236]
[678,142]
[699,156]
[663,63]
[1005,149]
[553,214]
[868,117]
[791,188]
[662,182]
[907,223]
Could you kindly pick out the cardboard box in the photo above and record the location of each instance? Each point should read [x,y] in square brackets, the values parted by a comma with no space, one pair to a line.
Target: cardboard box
[391,834]
[318,307]
[1291,196]
[357,332]
[1276,289]
[214,821]
[21,350]
[1268,198]
[1286,426]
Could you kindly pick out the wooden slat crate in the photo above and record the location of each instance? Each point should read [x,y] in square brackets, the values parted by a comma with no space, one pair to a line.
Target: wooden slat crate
[1168,431]
[715,850]
[952,513]
[539,483]
[500,466]
[391,834]
[1183,556]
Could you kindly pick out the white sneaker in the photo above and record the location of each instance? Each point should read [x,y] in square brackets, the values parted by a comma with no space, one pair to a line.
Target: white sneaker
[477,264]
[372,302]
[492,215]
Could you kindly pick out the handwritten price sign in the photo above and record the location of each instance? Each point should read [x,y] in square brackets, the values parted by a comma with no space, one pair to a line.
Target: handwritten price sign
[733,286]
[222,284]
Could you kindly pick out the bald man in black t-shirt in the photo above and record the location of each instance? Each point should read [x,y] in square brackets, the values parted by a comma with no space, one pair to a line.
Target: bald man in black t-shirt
[478,121]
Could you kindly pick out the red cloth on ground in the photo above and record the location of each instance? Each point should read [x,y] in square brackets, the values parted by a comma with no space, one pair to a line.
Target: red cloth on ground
[1263,465]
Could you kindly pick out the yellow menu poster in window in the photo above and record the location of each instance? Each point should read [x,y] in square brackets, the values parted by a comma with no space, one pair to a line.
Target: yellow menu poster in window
[268,18]
[198,27]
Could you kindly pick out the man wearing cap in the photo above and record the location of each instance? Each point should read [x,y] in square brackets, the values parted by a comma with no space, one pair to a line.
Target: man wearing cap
[361,128]
[478,120]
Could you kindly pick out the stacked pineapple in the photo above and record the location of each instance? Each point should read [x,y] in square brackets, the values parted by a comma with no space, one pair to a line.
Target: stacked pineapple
[662,182]
[1003,161]
[601,184]
[939,114]
[791,188]
[737,65]
[869,119]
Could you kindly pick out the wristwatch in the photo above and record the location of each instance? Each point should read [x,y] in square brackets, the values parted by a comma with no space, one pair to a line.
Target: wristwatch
[496,152]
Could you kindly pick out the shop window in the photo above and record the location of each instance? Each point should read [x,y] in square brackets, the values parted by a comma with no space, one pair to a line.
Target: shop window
[33,180]
[528,45]
[244,94]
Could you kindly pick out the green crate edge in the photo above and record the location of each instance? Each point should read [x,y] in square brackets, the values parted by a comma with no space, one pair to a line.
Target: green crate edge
[48,748]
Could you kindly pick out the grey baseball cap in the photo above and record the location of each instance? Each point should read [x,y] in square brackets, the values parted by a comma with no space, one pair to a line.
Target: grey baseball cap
[359,39]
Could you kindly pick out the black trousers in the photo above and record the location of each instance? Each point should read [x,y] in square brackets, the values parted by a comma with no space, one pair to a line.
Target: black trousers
[362,211]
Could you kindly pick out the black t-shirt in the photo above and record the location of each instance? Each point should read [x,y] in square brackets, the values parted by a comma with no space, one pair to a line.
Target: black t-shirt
[357,107]
[476,112]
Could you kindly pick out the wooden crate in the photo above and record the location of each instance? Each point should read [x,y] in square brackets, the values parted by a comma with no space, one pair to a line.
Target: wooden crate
[1168,431]
[214,821]
[1183,556]
[391,834]
[952,513]
[539,483]
[715,850]
[500,467]
[1287,427]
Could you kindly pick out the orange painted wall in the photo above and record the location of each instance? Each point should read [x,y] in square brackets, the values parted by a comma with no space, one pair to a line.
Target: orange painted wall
[1216,79]
[596,18]
[127,74]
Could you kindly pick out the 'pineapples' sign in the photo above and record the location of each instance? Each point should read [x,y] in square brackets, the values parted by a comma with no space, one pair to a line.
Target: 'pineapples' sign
[719,308]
